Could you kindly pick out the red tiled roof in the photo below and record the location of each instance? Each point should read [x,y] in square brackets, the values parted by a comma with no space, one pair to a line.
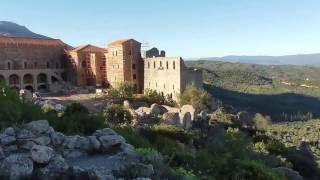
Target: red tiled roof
[87,45]
[120,42]
[31,41]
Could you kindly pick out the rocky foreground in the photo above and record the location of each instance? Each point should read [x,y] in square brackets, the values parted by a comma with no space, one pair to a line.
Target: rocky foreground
[36,151]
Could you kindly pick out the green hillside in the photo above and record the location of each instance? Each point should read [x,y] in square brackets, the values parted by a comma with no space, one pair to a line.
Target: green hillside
[285,92]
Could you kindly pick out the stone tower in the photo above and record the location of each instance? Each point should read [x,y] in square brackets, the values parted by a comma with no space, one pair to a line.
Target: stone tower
[124,63]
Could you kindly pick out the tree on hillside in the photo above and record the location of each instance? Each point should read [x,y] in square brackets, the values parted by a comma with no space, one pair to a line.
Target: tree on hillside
[198,98]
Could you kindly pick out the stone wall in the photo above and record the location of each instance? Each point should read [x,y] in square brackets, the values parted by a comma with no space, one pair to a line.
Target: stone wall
[169,75]
[31,63]
[124,63]
[90,66]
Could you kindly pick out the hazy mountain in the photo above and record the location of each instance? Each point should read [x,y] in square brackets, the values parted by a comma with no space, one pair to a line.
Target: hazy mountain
[10,29]
[300,59]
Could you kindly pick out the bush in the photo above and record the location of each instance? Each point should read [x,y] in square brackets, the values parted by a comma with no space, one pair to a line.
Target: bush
[75,108]
[152,96]
[14,112]
[262,122]
[132,137]
[172,132]
[126,89]
[117,115]
[198,98]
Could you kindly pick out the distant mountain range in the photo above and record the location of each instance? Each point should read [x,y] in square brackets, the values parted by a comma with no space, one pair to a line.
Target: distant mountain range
[299,59]
[10,29]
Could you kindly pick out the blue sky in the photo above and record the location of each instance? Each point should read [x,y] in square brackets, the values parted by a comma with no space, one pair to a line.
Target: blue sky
[188,28]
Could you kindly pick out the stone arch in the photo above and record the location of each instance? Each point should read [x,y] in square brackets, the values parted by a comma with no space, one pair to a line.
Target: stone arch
[2,79]
[28,79]
[29,88]
[42,78]
[14,79]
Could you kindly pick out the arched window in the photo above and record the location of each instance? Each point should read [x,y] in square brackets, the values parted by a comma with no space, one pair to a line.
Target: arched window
[148,64]
[174,65]
[160,63]
[154,64]
[167,64]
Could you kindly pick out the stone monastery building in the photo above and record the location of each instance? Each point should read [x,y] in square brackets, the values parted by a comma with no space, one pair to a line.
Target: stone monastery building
[44,64]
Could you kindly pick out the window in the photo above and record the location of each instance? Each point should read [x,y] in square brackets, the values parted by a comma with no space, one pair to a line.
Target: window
[48,65]
[164,86]
[130,53]
[118,66]
[173,86]
[154,64]
[174,65]
[149,84]
[134,76]
[156,84]
[25,65]
[57,65]
[116,53]
[167,64]
[133,66]
[148,64]
[35,64]
[160,63]
[9,65]
[83,64]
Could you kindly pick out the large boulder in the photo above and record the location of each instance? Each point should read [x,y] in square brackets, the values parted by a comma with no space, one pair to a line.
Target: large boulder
[38,127]
[57,138]
[104,132]
[109,142]
[41,154]
[9,131]
[155,109]
[186,120]
[16,166]
[57,165]
[188,109]
[7,139]
[42,140]
[171,118]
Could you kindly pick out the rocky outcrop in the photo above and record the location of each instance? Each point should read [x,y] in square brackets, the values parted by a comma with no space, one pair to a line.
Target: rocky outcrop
[180,117]
[36,150]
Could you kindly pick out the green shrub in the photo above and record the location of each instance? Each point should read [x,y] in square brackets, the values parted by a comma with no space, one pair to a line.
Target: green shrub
[198,98]
[15,112]
[126,89]
[172,132]
[132,137]
[152,96]
[75,108]
[117,115]
[262,122]
[254,170]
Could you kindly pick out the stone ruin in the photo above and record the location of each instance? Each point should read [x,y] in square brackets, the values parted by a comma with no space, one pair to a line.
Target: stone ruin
[36,151]
[179,117]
